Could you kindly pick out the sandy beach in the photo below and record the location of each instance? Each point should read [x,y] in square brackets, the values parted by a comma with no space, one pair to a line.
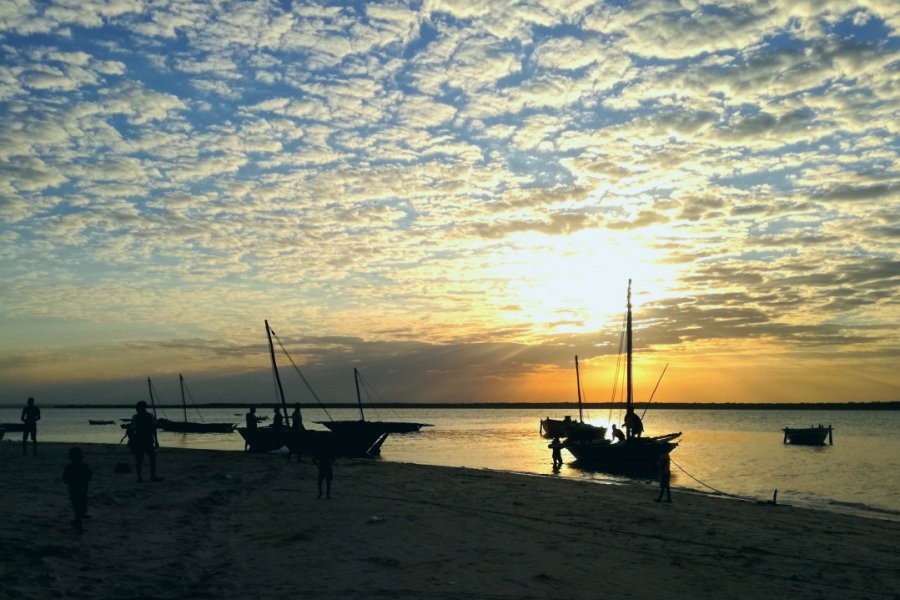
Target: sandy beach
[232,525]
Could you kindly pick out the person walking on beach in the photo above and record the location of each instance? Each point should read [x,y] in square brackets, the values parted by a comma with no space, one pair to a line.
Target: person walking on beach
[556,446]
[663,464]
[31,414]
[324,459]
[77,475]
[143,440]
[252,422]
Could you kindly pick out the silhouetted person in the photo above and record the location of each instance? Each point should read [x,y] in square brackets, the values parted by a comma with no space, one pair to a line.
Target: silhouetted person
[31,414]
[277,420]
[633,422]
[618,434]
[76,475]
[556,445]
[296,428]
[324,459]
[251,421]
[663,465]
[143,440]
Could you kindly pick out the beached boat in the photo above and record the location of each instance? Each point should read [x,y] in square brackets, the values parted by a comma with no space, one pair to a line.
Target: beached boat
[569,427]
[98,422]
[300,440]
[12,427]
[186,426]
[637,455]
[362,425]
[808,436]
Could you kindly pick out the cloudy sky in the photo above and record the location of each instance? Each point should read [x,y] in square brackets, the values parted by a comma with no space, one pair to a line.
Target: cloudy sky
[450,195]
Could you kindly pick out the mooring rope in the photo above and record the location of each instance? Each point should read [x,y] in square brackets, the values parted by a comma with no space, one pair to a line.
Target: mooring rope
[683,470]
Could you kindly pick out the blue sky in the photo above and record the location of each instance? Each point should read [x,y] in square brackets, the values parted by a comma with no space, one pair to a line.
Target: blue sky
[469,176]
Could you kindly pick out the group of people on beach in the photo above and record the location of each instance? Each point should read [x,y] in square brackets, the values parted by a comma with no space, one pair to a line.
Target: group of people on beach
[143,442]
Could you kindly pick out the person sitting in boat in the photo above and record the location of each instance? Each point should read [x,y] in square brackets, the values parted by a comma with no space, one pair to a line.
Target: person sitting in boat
[618,434]
[277,420]
[296,419]
[633,422]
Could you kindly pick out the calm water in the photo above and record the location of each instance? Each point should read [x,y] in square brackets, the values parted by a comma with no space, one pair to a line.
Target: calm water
[738,452]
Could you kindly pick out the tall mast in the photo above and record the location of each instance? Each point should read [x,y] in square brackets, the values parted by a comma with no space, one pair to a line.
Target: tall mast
[275,370]
[578,382]
[629,406]
[152,401]
[362,417]
[183,404]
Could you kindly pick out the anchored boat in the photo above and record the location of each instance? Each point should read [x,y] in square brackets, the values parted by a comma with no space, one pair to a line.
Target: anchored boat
[637,455]
[808,436]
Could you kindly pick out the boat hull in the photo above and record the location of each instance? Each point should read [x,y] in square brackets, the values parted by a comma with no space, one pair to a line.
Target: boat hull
[92,422]
[189,427]
[808,436]
[12,426]
[637,457]
[309,442]
[372,427]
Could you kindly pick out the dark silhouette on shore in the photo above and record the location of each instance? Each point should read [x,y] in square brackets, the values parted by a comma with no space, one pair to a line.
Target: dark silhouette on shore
[252,420]
[31,414]
[665,475]
[77,475]
[324,459]
[142,440]
[277,419]
[556,446]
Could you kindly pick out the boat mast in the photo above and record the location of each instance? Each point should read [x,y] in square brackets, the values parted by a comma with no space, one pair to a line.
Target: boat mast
[183,405]
[629,390]
[277,376]
[578,383]
[362,417]
[152,401]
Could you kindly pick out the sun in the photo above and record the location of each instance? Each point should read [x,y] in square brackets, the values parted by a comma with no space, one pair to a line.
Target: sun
[576,283]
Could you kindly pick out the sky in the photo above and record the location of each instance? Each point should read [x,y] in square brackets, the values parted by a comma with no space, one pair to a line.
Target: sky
[450,196]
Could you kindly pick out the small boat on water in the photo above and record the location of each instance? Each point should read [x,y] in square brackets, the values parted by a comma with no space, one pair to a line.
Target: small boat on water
[637,455]
[98,422]
[362,425]
[186,426]
[569,427]
[808,436]
[350,443]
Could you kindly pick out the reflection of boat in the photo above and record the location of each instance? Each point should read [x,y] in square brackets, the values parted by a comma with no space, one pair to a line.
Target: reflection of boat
[186,426]
[808,436]
[570,428]
[305,441]
[637,455]
[362,425]
[96,422]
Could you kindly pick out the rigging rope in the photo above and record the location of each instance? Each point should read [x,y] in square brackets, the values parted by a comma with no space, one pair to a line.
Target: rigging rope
[709,486]
[612,397]
[296,368]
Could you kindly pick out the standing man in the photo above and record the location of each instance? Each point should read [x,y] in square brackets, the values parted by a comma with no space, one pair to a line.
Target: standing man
[251,421]
[31,414]
[556,446]
[665,476]
[143,440]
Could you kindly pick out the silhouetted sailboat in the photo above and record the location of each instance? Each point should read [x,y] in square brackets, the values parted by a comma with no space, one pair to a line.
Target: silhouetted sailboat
[307,441]
[637,455]
[570,428]
[362,425]
[186,426]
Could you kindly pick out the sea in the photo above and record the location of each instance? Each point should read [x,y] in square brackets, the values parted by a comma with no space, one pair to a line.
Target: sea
[729,453]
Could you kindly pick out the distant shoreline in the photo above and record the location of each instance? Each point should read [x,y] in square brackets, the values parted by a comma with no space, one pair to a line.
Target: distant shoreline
[562,406]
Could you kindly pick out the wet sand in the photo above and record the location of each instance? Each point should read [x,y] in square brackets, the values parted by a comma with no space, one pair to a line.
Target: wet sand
[232,525]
